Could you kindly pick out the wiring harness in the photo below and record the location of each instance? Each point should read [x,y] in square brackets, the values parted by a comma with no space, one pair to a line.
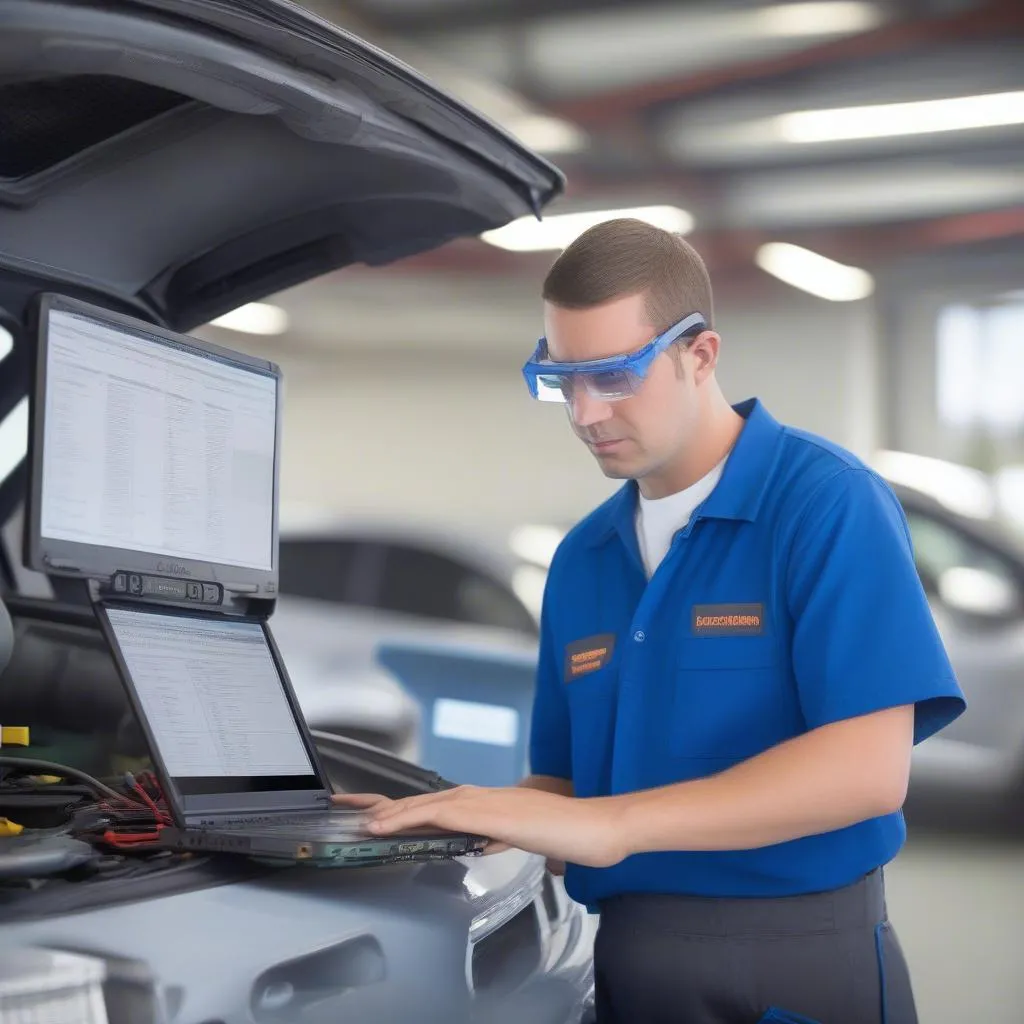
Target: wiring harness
[129,820]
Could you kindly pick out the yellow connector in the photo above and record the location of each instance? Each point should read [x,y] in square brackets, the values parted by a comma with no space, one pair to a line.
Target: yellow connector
[14,736]
[10,828]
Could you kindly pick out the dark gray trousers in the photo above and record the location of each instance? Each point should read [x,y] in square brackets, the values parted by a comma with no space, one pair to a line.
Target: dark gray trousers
[823,958]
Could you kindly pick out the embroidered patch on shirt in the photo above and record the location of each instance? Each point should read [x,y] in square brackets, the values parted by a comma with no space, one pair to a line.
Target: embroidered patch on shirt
[728,619]
[588,655]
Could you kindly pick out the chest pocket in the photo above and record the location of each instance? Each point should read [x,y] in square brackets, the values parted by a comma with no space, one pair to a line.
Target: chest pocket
[730,697]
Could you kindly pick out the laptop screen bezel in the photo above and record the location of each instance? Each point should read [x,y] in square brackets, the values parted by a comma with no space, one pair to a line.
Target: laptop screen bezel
[188,808]
[82,560]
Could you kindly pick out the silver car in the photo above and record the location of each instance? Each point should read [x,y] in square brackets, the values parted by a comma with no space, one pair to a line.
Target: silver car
[970,562]
[175,159]
[349,586]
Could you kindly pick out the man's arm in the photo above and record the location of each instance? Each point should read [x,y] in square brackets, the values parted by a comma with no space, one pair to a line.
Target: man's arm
[826,779]
[872,677]
[548,784]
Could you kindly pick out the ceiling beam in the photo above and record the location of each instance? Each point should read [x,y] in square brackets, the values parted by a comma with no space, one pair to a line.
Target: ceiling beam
[729,252]
[996,20]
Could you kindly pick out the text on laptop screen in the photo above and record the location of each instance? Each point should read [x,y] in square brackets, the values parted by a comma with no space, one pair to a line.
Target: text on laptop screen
[214,701]
[154,447]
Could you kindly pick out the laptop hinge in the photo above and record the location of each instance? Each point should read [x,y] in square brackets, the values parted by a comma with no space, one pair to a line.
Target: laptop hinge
[250,813]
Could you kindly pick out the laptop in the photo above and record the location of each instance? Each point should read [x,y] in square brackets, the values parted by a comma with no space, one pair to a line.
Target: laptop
[231,748]
[154,469]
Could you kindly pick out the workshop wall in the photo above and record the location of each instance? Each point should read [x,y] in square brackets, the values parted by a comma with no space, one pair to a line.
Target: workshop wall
[456,439]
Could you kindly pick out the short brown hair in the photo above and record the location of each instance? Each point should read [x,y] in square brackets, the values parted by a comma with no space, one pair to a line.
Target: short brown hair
[627,257]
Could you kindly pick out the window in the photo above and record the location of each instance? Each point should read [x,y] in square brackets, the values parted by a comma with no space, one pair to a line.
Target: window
[321,569]
[980,367]
[399,578]
[432,585]
[960,572]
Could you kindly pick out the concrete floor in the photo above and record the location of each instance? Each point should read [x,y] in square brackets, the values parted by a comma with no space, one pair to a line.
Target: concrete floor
[958,906]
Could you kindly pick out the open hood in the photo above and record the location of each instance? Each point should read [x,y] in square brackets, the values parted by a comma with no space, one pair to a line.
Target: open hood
[178,158]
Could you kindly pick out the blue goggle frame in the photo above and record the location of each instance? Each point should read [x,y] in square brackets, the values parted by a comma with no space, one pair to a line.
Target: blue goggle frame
[608,380]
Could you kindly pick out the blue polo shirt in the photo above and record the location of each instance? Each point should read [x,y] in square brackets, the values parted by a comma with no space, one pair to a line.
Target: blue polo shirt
[789,601]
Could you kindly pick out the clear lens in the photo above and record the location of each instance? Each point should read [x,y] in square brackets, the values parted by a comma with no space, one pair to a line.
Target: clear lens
[550,388]
[605,386]
[611,385]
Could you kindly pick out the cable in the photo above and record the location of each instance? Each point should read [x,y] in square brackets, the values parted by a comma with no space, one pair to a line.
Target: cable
[52,768]
[122,840]
[161,817]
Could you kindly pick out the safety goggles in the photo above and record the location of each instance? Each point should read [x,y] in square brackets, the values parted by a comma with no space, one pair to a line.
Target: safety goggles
[607,380]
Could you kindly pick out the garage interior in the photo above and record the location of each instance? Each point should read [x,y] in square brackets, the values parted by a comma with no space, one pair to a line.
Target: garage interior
[684,106]
[852,171]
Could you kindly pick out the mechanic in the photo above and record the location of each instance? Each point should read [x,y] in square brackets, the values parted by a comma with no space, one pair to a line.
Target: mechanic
[736,659]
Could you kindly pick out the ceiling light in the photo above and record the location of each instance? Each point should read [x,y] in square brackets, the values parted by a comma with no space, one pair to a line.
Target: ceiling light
[815,19]
[814,273]
[915,118]
[254,318]
[6,343]
[546,134]
[556,232]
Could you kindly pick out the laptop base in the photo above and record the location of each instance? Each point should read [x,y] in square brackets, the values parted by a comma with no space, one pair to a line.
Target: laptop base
[362,852]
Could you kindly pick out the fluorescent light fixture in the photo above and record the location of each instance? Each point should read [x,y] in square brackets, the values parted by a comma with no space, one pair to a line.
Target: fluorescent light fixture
[814,273]
[254,318]
[962,489]
[547,134]
[816,19]
[13,438]
[919,117]
[526,234]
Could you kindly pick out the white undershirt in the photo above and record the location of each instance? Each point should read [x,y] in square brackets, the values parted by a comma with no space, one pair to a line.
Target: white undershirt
[659,519]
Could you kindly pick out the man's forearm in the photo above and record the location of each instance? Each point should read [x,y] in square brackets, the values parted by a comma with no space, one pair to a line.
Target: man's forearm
[548,784]
[824,780]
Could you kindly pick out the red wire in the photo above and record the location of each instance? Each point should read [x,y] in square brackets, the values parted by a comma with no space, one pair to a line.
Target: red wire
[131,838]
[162,818]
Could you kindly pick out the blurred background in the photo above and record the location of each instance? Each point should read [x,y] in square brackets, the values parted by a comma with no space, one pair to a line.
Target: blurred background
[852,171]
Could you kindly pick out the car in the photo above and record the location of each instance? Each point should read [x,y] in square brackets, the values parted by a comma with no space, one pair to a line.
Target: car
[970,558]
[174,160]
[348,586]
[971,564]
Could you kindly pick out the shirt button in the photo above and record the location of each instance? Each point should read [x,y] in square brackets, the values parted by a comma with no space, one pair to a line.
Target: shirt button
[639,636]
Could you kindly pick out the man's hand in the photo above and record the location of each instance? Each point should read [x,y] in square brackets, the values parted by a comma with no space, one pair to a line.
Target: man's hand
[370,801]
[559,828]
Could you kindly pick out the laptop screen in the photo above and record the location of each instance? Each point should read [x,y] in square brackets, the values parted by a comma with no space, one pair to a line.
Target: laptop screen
[154,453]
[214,701]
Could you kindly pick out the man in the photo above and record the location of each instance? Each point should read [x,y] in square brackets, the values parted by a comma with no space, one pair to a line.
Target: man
[736,659]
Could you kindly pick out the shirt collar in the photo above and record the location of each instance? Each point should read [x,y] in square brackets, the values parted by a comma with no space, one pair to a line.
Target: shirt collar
[738,494]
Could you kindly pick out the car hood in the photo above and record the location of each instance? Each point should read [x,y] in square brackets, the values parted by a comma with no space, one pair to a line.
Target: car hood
[178,158]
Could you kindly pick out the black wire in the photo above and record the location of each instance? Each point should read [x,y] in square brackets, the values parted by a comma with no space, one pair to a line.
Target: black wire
[53,768]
